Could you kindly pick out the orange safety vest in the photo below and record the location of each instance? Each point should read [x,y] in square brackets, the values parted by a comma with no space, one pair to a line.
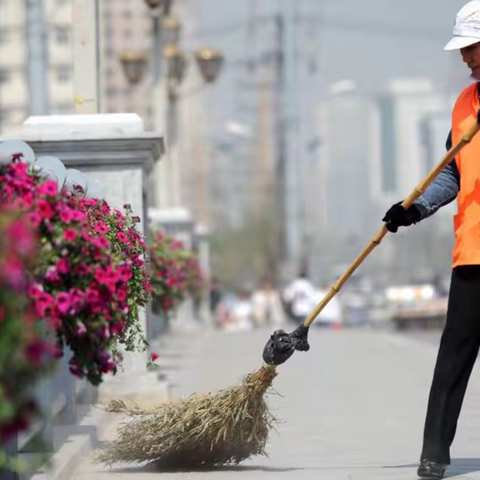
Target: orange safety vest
[467,220]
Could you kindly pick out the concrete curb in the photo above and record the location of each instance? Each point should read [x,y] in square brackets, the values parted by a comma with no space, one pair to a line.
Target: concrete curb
[83,438]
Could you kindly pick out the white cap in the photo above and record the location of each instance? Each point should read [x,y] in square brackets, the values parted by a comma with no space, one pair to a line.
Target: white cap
[466,30]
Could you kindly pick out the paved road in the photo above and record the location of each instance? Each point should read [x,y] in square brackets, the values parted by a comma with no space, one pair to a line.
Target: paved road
[352,408]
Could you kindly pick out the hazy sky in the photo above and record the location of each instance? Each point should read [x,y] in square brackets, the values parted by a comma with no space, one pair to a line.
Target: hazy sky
[368,41]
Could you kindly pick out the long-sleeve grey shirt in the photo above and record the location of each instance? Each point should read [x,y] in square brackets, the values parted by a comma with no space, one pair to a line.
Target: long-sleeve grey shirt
[443,190]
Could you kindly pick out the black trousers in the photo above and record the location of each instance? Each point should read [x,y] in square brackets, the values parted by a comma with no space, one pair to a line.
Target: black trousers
[457,354]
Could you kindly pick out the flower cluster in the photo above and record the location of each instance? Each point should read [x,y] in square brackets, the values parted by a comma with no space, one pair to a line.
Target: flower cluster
[25,353]
[194,283]
[175,272]
[118,233]
[81,288]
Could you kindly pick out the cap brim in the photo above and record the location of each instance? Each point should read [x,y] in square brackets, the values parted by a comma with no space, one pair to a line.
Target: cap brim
[456,43]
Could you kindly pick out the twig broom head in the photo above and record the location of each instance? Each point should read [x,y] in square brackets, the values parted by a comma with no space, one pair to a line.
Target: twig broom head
[226,427]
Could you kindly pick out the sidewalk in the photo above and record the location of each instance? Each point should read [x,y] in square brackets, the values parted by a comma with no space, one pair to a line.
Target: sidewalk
[353,407]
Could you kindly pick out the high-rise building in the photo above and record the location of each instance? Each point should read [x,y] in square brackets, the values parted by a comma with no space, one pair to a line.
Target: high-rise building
[404,157]
[17,24]
[338,196]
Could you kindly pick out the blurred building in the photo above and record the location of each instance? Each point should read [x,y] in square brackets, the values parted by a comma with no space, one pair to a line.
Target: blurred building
[125,26]
[338,186]
[405,156]
[415,119]
[15,30]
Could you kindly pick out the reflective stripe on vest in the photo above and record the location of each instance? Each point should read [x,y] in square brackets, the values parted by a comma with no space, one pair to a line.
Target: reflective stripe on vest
[467,220]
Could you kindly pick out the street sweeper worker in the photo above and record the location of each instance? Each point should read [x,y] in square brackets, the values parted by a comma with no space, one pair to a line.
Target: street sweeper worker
[461,180]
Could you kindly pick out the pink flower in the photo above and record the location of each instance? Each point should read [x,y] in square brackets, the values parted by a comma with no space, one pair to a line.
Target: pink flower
[104,332]
[70,235]
[154,357]
[102,228]
[43,303]
[44,209]
[62,302]
[176,245]
[101,276]
[82,270]
[125,273]
[91,295]
[35,292]
[33,219]
[122,237]
[52,275]
[63,266]
[118,327]
[48,188]
[112,275]
[75,368]
[14,272]
[101,242]
[21,236]
[36,352]
[78,216]
[66,215]
[76,296]
[121,295]
[86,236]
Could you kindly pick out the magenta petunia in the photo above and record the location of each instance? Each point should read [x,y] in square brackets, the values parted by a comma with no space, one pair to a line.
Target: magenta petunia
[125,273]
[121,295]
[101,275]
[66,215]
[122,237]
[63,266]
[91,295]
[101,242]
[44,209]
[76,296]
[102,228]
[78,216]
[49,188]
[62,302]
[70,234]
[34,219]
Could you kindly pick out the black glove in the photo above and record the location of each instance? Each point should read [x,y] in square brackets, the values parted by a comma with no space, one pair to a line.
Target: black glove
[397,216]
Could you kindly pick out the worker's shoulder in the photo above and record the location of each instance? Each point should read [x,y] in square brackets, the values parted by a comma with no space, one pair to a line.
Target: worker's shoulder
[468,91]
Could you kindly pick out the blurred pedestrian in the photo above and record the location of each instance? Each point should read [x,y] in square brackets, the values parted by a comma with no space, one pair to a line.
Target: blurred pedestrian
[267,305]
[240,316]
[461,179]
[299,297]
[331,315]
[216,295]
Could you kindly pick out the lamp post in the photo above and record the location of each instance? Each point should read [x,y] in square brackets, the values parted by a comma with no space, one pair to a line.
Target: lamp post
[169,64]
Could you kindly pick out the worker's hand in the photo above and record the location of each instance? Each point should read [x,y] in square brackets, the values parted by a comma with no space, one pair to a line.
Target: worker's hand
[397,216]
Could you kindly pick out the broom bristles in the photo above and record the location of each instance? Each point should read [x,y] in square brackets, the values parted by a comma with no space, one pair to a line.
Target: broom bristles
[226,427]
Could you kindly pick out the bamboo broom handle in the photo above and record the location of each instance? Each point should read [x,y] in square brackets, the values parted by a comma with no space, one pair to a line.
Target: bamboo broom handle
[419,189]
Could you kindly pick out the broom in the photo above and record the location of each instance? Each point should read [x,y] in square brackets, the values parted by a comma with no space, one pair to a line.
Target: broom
[231,425]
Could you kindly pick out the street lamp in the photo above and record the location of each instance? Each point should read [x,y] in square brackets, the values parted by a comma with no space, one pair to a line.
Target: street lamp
[209,62]
[160,6]
[134,63]
[171,31]
[176,64]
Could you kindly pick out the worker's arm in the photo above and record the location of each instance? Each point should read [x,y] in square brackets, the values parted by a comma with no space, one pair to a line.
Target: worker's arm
[443,190]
